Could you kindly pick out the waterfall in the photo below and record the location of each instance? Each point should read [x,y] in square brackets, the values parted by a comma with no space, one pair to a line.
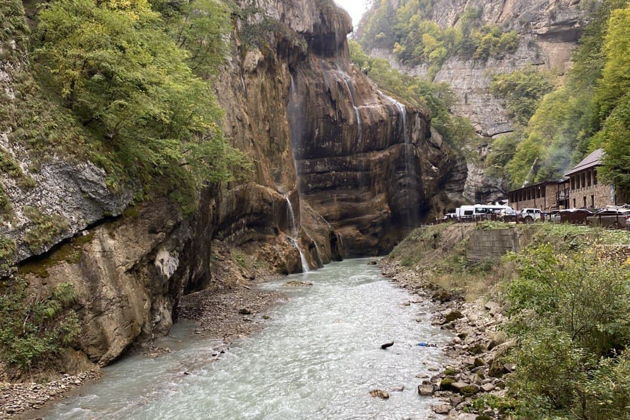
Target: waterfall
[296,125]
[347,80]
[294,236]
[317,251]
[408,151]
[402,112]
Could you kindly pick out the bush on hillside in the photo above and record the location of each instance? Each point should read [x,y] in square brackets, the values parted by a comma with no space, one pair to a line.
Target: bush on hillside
[571,314]
[35,327]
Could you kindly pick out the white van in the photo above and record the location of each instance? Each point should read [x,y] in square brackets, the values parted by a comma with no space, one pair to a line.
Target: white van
[465,212]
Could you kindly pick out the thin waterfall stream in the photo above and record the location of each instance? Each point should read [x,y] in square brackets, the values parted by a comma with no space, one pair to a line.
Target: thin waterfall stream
[407,144]
[318,357]
[295,233]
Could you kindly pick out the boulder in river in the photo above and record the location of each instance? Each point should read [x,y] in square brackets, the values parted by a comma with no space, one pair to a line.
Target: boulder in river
[298,284]
[464,388]
[441,408]
[379,393]
[453,316]
[425,390]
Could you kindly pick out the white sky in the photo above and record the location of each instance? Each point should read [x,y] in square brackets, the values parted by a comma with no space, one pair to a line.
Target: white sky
[356,8]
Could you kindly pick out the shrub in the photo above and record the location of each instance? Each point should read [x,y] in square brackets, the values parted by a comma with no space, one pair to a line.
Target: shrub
[34,328]
[571,313]
[522,91]
[7,254]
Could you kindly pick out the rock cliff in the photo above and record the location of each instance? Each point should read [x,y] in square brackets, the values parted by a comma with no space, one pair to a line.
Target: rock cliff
[548,31]
[339,168]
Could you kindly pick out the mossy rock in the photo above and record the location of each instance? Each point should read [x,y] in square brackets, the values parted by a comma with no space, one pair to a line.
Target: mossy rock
[450,372]
[44,230]
[453,316]
[67,253]
[443,296]
[446,384]
[469,390]
[7,254]
[476,349]
[483,418]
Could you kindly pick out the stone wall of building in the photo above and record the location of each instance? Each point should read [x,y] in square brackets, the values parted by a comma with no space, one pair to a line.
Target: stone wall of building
[596,196]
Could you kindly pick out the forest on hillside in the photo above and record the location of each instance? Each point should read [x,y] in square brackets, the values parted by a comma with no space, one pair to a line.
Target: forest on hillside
[558,119]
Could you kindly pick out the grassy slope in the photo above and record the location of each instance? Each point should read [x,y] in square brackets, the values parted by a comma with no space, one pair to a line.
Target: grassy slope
[566,293]
[438,254]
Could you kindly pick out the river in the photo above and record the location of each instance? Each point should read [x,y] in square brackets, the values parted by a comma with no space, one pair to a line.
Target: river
[317,358]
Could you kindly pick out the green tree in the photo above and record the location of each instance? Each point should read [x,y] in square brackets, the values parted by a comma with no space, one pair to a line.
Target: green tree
[615,137]
[569,312]
[522,91]
[579,115]
[198,26]
[115,66]
[437,98]
[613,100]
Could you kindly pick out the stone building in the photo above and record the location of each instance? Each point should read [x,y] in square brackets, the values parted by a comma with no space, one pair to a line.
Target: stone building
[586,189]
[581,188]
[548,195]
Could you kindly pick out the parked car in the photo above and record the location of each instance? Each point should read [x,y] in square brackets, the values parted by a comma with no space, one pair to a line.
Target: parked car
[450,214]
[552,216]
[610,218]
[575,216]
[507,211]
[531,215]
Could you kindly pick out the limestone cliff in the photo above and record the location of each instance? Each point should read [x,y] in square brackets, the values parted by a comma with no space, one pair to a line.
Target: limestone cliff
[548,31]
[339,168]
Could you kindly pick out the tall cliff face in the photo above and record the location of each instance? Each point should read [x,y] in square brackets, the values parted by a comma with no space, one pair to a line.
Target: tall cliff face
[365,163]
[548,31]
[338,168]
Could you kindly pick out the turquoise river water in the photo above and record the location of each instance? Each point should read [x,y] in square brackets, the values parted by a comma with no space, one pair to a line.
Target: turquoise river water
[318,357]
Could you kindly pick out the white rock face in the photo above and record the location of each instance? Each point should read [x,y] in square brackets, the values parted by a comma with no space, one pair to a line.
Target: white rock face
[166,263]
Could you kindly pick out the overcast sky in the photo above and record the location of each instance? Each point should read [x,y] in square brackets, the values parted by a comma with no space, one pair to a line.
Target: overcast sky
[356,8]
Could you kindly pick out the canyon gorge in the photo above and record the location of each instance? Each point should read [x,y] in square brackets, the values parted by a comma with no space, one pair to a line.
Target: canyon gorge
[245,209]
[339,170]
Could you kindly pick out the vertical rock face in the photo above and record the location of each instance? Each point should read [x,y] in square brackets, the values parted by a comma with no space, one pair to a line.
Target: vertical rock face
[548,33]
[368,164]
[339,168]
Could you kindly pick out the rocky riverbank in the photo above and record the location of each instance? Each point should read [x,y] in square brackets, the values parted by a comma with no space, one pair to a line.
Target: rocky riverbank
[18,398]
[225,315]
[231,314]
[476,371]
